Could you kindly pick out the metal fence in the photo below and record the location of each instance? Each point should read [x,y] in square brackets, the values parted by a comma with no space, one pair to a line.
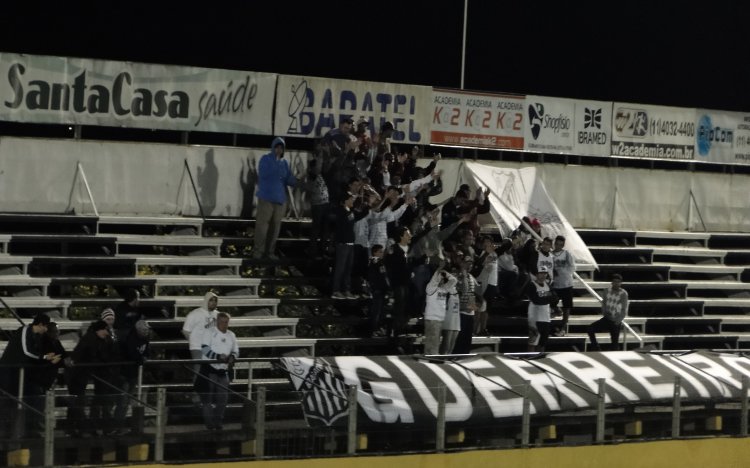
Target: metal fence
[167,421]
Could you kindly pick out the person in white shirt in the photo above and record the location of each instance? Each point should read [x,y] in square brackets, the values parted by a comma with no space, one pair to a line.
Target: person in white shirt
[198,322]
[436,302]
[540,297]
[487,280]
[562,282]
[452,322]
[219,347]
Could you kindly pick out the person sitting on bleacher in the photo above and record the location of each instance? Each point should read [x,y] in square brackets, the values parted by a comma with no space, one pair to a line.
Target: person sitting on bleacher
[614,311]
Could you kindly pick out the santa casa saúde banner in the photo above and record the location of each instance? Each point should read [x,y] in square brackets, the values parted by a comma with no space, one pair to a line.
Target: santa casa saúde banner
[65,90]
[485,388]
[477,120]
[309,107]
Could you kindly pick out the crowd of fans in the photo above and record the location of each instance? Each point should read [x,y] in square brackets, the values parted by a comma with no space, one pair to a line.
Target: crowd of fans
[373,218]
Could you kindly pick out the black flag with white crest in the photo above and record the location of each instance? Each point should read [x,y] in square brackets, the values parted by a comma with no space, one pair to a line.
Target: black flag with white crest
[324,395]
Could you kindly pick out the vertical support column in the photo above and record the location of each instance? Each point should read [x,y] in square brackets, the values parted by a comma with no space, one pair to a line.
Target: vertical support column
[676,408]
[600,403]
[526,415]
[440,429]
[49,429]
[351,439]
[161,422]
[260,423]
[743,406]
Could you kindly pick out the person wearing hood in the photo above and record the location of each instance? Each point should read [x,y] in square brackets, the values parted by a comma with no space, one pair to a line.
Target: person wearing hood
[198,322]
[274,175]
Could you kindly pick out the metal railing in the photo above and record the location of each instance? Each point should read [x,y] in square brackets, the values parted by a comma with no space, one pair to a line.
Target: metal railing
[268,422]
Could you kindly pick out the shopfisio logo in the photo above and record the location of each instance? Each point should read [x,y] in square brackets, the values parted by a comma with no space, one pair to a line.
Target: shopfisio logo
[539,120]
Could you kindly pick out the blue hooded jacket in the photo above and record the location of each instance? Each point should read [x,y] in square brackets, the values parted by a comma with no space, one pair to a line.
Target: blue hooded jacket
[274,175]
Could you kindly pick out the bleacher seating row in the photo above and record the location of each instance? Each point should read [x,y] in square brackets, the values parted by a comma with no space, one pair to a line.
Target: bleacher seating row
[687,289]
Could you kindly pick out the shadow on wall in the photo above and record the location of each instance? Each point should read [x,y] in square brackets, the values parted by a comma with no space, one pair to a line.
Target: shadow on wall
[247,182]
[208,178]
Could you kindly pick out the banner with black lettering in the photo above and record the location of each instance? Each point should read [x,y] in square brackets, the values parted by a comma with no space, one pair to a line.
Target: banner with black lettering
[722,137]
[309,107]
[644,131]
[66,90]
[477,120]
[486,388]
[549,124]
[593,128]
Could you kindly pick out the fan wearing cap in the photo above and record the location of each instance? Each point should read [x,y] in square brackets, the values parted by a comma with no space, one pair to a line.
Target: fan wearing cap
[540,297]
[108,317]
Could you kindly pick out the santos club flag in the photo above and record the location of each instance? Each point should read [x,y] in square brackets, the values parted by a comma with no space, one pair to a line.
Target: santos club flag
[520,192]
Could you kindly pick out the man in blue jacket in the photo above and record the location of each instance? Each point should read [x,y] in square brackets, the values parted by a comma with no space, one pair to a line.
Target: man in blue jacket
[274,175]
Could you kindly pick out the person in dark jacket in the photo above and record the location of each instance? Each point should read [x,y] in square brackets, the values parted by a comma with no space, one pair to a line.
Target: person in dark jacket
[127,313]
[135,350]
[95,347]
[344,240]
[26,349]
[380,287]
[399,275]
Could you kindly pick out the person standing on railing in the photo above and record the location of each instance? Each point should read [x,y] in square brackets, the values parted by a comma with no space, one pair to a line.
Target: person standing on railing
[614,310]
[274,175]
[219,344]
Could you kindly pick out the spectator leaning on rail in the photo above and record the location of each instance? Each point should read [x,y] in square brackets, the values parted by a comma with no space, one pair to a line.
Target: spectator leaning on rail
[614,311]
[274,175]
[25,349]
[219,344]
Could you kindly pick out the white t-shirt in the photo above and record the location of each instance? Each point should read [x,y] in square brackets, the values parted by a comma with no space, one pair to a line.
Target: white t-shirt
[452,320]
[546,261]
[539,313]
[197,323]
[216,343]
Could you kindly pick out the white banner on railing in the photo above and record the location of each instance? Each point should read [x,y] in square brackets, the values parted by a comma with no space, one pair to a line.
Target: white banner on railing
[477,120]
[65,90]
[487,388]
[309,107]
[644,131]
[515,193]
[722,137]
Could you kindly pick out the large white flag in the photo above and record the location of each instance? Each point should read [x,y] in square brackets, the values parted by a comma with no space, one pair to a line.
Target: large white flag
[520,192]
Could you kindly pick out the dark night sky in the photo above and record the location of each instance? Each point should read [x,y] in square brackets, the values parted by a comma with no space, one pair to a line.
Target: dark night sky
[658,52]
